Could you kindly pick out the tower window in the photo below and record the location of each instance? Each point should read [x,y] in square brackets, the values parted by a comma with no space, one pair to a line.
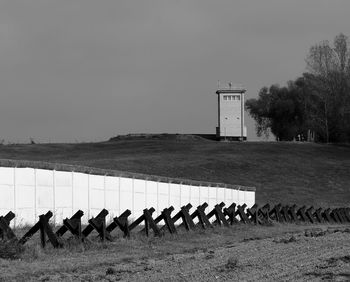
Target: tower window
[231,97]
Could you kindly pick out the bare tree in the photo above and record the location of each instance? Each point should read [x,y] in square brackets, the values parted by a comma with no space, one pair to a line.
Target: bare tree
[330,69]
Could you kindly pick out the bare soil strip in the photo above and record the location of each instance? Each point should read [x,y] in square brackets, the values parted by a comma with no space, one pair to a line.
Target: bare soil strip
[240,253]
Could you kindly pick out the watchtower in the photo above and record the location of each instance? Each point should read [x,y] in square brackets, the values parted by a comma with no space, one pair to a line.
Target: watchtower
[231,113]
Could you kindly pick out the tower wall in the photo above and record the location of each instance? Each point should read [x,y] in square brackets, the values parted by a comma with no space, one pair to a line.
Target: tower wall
[231,114]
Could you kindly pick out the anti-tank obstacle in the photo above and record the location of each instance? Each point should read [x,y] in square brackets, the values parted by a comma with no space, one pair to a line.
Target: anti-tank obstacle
[165,222]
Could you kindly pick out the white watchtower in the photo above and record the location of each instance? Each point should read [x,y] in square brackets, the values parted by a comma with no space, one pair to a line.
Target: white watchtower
[231,113]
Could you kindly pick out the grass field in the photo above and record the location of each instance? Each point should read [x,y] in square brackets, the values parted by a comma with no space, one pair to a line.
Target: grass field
[301,173]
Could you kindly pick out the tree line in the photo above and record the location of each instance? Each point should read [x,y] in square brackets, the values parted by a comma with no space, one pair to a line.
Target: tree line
[316,105]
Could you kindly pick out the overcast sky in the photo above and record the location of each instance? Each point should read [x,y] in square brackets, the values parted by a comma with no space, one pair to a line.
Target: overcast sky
[87,70]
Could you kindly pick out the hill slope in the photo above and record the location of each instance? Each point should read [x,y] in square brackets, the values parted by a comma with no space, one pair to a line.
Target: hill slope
[298,173]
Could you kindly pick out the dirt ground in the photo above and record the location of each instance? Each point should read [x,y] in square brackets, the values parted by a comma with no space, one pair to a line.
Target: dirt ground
[238,253]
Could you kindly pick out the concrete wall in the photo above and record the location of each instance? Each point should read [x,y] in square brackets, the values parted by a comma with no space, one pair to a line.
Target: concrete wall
[30,192]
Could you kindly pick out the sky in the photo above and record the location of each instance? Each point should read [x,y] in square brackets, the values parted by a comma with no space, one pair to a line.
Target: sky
[87,70]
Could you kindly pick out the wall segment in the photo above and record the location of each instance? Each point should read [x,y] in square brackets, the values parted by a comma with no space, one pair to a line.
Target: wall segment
[29,192]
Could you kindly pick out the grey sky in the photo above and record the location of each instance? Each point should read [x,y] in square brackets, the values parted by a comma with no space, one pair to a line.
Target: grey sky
[88,70]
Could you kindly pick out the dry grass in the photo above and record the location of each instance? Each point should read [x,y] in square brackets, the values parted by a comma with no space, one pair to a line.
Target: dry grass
[11,250]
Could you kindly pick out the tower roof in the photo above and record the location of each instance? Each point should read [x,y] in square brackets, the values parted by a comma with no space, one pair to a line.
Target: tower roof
[232,88]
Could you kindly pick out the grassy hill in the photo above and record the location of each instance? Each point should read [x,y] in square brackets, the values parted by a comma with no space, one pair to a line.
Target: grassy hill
[300,173]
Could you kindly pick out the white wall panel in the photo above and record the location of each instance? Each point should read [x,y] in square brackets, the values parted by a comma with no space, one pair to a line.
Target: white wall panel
[62,195]
[97,199]
[229,199]
[81,194]
[139,197]
[139,186]
[112,183]
[175,195]
[44,197]
[97,192]
[44,177]
[7,175]
[163,202]
[185,194]
[163,196]
[112,196]
[249,198]
[126,189]
[44,190]
[152,194]
[139,202]
[25,196]
[125,184]
[241,197]
[163,188]
[204,194]
[97,182]
[6,197]
[24,178]
[235,195]
[212,197]
[221,195]
[195,196]
[63,179]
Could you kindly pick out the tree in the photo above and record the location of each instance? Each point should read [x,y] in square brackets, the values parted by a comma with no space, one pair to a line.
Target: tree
[279,109]
[329,79]
[259,111]
[318,101]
